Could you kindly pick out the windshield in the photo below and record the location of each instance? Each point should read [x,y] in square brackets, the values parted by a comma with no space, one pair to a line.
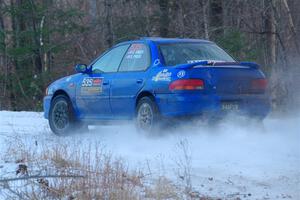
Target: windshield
[182,53]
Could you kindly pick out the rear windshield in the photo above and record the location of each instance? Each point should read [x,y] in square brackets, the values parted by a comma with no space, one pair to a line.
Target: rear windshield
[182,53]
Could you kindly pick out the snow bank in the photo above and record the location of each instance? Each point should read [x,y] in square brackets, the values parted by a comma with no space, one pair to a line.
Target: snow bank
[236,157]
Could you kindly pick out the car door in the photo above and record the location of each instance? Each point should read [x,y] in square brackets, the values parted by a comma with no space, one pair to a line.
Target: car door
[129,80]
[93,89]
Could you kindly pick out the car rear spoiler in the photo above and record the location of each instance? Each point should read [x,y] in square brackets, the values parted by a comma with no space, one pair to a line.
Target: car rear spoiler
[218,64]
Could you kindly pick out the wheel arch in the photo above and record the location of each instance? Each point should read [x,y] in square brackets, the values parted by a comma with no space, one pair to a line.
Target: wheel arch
[63,92]
[73,120]
[60,92]
[144,94]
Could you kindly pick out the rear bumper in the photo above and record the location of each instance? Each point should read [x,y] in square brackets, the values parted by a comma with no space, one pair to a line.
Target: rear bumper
[46,106]
[176,105]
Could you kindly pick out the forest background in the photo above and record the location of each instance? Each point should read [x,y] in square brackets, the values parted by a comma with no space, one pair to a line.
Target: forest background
[42,40]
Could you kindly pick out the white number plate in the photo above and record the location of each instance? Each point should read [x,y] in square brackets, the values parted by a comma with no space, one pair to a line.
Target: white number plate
[230,106]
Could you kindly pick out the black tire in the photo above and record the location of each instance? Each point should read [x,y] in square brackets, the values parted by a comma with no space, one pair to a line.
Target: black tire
[62,118]
[147,115]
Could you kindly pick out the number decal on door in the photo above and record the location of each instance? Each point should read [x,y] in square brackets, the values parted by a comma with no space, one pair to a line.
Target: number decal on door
[87,82]
[91,86]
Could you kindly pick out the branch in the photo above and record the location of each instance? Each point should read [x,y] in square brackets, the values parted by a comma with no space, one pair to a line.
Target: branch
[260,32]
[46,176]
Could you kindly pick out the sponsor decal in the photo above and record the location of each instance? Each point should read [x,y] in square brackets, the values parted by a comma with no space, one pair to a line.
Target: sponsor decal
[163,75]
[71,85]
[208,61]
[90,86]
[97,81]
[156,62]
[135,47]
[129,56]
[181,74]
[133,56]
[135,51]
[137,56]
[194,61]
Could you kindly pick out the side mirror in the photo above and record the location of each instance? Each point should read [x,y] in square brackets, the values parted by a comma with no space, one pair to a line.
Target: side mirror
[81,68]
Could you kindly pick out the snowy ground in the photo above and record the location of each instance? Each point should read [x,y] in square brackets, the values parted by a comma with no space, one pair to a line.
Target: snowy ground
[233,159]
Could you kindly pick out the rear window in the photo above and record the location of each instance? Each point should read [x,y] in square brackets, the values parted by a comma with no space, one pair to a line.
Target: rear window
[182,53]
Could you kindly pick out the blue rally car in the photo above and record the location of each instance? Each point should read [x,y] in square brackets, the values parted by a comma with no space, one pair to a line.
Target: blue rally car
[153,79]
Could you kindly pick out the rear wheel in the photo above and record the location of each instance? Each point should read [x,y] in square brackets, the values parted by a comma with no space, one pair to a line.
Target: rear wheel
[147,116]
[61,116]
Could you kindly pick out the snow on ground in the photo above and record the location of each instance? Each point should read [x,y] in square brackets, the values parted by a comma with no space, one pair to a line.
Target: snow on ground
[235,157]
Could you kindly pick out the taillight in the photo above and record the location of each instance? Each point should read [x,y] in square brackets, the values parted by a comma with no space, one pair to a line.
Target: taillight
[259,84]
[187,84]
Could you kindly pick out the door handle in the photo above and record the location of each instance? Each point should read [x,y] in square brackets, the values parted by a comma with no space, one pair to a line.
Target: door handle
[139,81]
[106,82]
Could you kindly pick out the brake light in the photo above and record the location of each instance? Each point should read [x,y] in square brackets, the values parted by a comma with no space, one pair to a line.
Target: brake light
[259,84]
[187,84]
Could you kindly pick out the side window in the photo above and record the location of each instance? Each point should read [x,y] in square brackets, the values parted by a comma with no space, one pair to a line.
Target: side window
[137,58]
[110,61]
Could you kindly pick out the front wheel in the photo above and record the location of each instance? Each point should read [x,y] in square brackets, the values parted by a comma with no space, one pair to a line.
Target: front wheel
[61,116]
[147,116]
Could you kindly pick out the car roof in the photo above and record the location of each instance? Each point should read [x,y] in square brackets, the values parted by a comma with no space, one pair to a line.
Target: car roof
[161,40]
[173,40]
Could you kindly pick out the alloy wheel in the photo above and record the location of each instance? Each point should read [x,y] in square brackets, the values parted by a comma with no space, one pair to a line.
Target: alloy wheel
[60,115]
[145,116]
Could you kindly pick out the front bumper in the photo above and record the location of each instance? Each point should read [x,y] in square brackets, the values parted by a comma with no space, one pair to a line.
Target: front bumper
[46,106]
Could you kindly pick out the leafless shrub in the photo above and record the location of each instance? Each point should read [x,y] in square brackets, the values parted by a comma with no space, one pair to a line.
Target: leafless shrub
[61,171]
[69,170]
[184,166]
[163,188]
[102,176]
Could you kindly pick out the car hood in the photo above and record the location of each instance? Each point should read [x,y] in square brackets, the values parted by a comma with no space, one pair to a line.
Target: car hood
[66,79]
[62,83]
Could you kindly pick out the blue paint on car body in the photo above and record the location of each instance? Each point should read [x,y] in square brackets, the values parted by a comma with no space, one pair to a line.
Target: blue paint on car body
[148,67]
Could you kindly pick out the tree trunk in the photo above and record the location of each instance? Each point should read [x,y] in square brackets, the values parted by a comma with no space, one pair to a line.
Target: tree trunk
[270,29]
[164,18]
[108,19]
[37,39]
[216,17]
[291,25]
[9,67]
[93,10]
[205,6]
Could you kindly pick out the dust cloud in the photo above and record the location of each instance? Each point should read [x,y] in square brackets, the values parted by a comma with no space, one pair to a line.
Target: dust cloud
[238,150]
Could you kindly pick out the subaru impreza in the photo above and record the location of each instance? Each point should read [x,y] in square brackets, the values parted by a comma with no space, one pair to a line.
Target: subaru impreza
[154,79]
